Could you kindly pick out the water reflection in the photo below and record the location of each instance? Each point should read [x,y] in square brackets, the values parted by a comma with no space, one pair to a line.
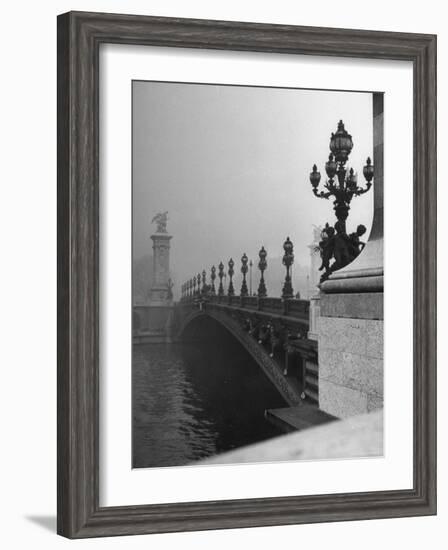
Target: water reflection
[194,400]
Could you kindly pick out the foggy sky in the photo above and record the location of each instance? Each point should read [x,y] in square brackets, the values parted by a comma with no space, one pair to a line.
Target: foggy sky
[231,165]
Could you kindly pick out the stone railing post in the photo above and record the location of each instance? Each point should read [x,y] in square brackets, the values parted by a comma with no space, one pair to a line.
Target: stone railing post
[314,316]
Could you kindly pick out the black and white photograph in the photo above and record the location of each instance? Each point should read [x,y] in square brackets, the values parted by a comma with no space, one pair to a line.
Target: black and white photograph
[222,232]
[257,274]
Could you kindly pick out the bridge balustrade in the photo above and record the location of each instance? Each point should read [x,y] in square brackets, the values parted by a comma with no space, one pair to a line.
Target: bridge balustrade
[286,305]
[290,307]
[234,301]
[273,305]
[298,308]
[250,302]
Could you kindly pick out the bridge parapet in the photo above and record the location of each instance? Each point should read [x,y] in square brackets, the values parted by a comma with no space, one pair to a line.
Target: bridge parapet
[250,302]
[291,307]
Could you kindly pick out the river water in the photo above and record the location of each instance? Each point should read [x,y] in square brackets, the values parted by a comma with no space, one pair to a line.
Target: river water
[195,400]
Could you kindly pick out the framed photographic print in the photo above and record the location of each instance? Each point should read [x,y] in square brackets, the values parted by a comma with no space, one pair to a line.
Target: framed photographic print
[246,274]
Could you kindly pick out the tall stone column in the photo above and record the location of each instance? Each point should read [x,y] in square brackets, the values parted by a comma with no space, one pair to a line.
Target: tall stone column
[152,321]
[159,292]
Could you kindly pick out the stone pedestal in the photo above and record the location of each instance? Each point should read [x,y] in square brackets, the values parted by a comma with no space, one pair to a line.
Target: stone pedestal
[350,325]
[159,292]
[350,365]
[152,322]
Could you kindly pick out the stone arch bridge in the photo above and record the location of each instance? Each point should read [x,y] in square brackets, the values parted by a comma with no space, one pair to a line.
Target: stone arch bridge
[274,331]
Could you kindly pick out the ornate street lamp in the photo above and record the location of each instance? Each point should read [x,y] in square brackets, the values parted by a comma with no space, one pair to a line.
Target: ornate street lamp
[220,275]
[262,264]
[204,281]
[288,260]
[212,278]
[250,277]
[198,282]
[194,286]
[341,185]
[231,291]
[244,270]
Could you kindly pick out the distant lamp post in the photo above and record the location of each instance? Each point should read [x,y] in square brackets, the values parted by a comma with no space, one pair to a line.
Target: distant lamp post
[204,281]
[220,275]
[250,277]
[198,282]
[288,260]
[262,264]
[341,185]
[212,278]
[170,286]
[244,270]
[231,291]
[194,286]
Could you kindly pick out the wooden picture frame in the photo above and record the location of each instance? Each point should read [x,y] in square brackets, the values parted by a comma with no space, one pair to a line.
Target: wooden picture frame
[79,38]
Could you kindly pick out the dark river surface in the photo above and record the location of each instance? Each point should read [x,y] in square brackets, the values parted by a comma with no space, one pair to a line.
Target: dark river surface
[197,399]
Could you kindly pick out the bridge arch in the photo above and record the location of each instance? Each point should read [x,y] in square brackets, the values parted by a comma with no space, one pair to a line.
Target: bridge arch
[270,368]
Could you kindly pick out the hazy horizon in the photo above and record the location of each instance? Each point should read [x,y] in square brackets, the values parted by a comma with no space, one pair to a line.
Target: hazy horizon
[231,166]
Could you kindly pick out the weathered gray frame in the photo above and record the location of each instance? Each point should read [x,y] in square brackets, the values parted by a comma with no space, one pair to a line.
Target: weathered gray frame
[79,37]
